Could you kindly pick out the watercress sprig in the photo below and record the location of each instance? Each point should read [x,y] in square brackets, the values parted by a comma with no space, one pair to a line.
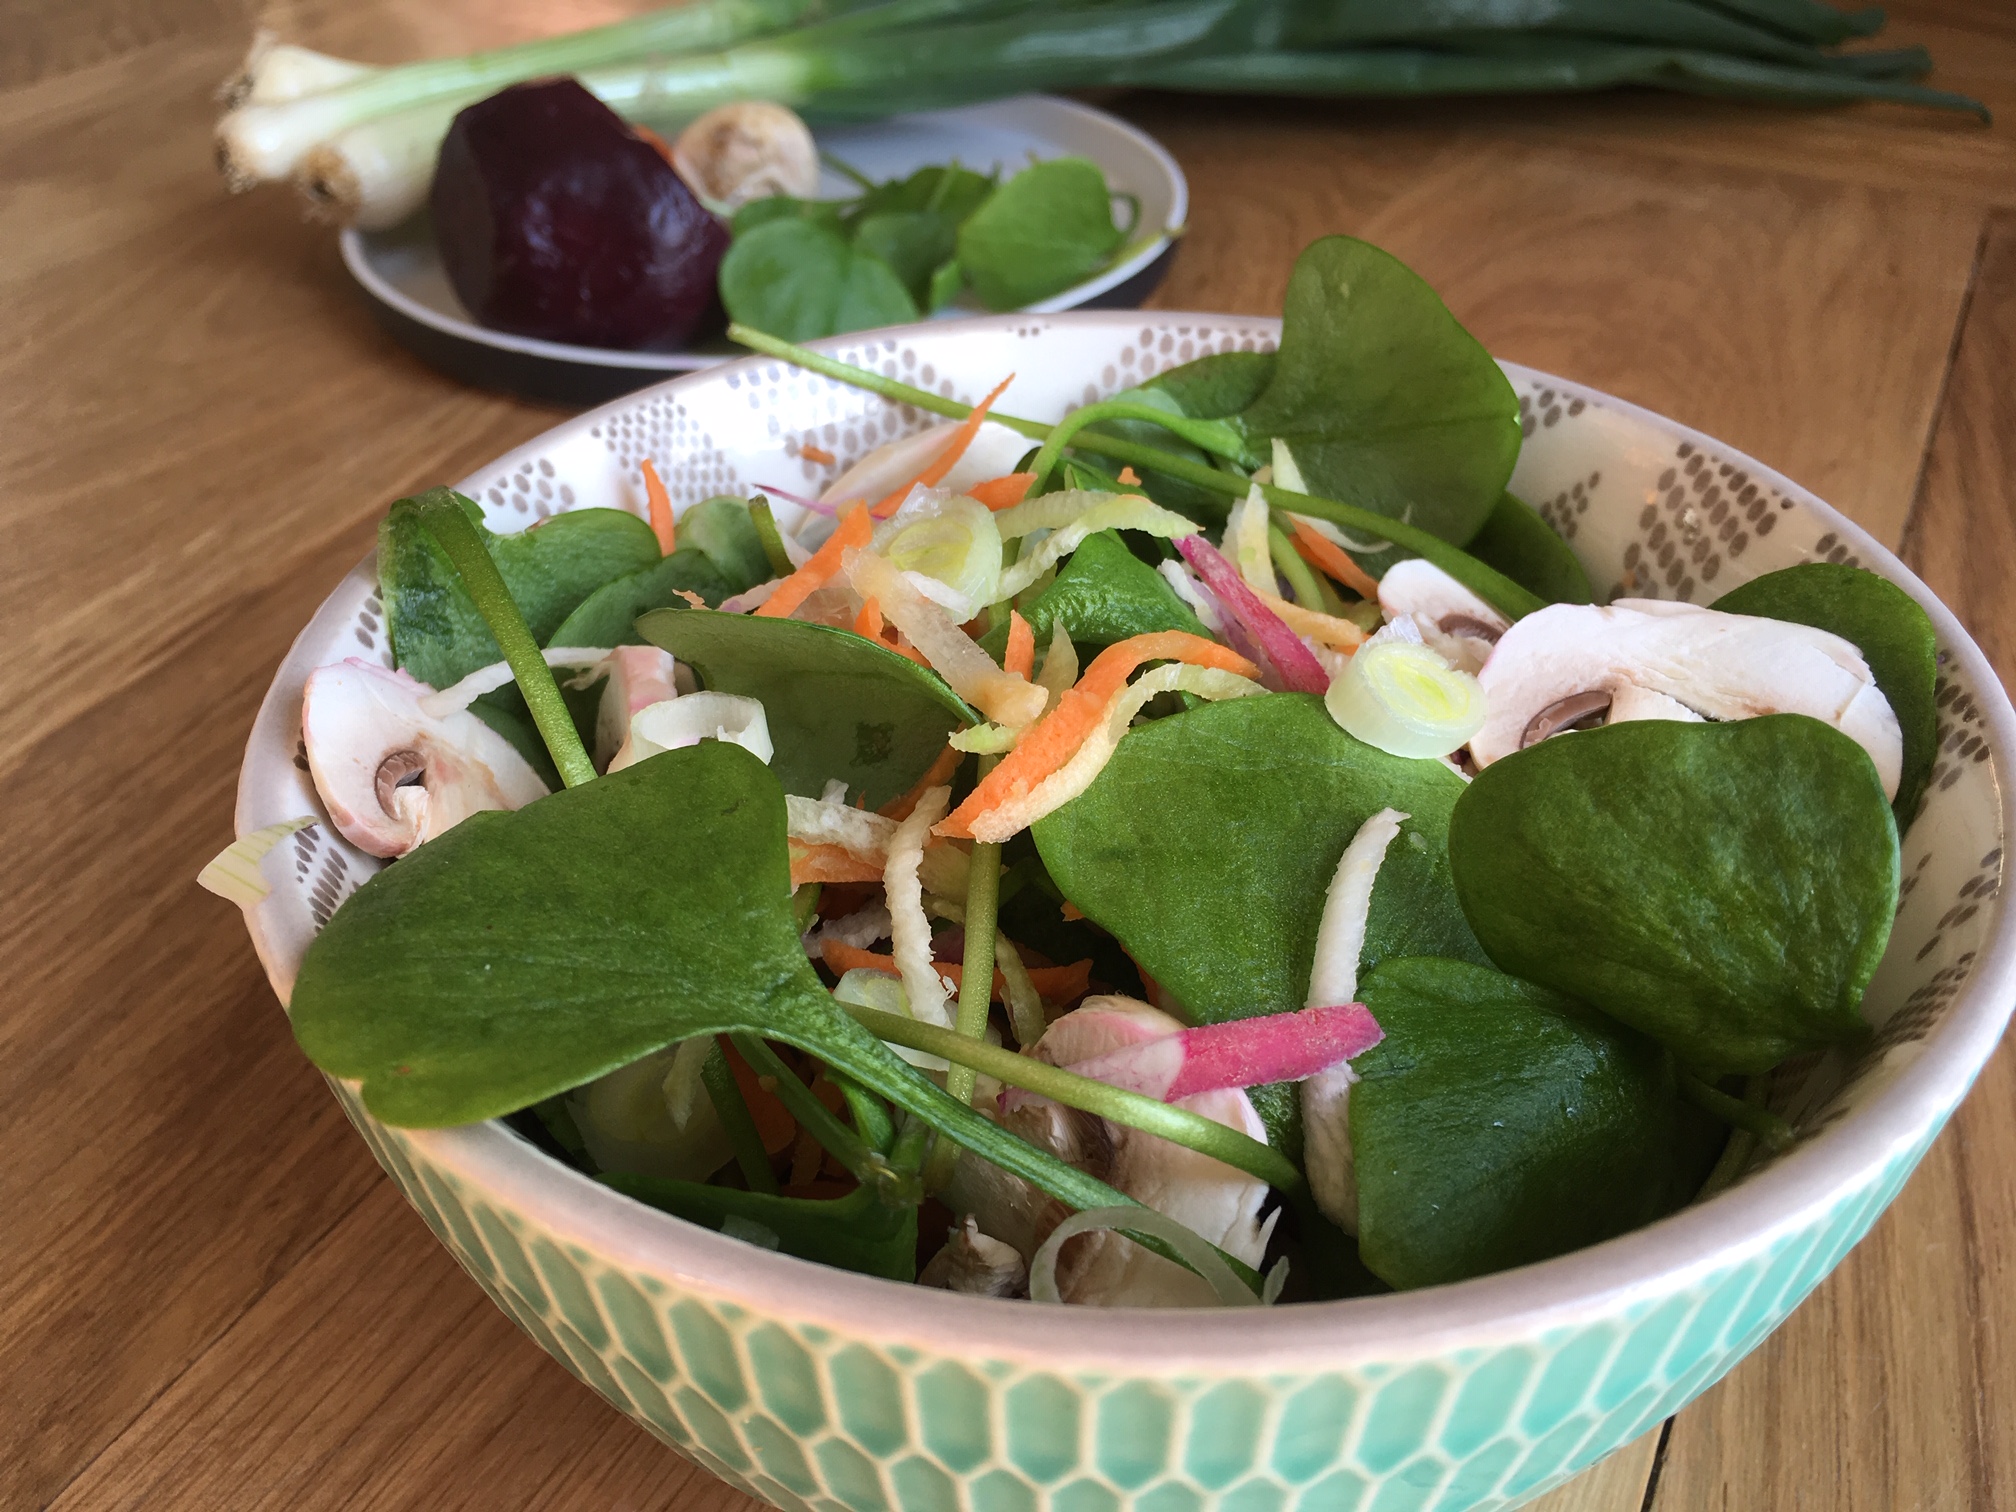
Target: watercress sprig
[733,1111]
[868,1166]
[1213,436]
[451,529]
[1487,582]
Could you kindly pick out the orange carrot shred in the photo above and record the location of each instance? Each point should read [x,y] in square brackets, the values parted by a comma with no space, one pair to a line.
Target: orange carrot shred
[1003,492]
[944,461]
[1327,556]
[820,569]
[940,774]
[1059,733]
[869,621]
[1130,477]
[817,454]
[829,863]
[661,508]
[1054,984]
[1020,657]
[1071,911]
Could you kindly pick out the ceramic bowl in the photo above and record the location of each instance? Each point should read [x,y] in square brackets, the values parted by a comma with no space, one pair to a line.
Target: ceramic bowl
[815,1388]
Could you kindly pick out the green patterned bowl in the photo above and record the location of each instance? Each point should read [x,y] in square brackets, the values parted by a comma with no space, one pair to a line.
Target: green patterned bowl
[815,1388]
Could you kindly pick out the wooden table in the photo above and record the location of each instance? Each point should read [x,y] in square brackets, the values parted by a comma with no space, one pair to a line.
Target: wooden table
[209,1298]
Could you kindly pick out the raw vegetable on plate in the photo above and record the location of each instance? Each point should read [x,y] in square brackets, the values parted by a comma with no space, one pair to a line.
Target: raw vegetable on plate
[1209,850]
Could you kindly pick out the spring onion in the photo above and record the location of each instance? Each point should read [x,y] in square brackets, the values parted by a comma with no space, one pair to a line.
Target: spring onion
[1197,1253]
[234,874]
[1403,697]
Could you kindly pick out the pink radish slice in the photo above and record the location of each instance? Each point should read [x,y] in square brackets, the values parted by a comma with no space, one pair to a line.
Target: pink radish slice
[829,510]
[1299,670]
[1276,1047]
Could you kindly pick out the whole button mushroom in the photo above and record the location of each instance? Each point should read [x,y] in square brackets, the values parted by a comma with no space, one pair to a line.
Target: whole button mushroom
[747,151]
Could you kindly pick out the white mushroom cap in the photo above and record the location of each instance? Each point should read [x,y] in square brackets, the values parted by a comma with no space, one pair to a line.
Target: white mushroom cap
[1722,666]
[745,151]
[1451,619]
[394,776]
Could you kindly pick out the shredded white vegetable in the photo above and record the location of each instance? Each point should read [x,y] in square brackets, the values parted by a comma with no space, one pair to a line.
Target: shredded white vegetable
[454,699]
[972,673]
[865,988]
[861,928]
[1060,665]
[1078,774]
[1246,543]
[692,718]
[987,739]
[909,928]
[821,821]
[234,874]
[1112,512]
[1192,593]
[683,1088]
[1226,1287]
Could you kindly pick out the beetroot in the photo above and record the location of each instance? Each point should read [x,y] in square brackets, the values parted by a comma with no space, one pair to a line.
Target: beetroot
[556,220]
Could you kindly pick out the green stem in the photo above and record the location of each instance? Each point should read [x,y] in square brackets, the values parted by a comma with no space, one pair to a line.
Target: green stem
[868,1165]
[1287,562]
[976,979]
[451,528]
[771,537]
[1177,1125]
[805,905]
[1213,436]
[1752,1118]
[740,1124]
[1487,582]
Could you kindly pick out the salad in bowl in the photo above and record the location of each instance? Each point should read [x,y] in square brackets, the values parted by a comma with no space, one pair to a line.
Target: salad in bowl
[1207,850]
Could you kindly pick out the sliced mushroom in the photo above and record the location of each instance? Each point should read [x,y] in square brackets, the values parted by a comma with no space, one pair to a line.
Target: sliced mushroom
[639,676]
[1700,662]
[1103,1269]
[745,151]
[973,1263]
[1451,619]
[394,776]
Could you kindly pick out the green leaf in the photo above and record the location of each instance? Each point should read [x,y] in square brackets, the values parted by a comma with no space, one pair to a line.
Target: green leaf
[1726,888]
[1499,1123]
[1887,626]
[608,616]
[723,530]
[523,953]
[1208,844]
[1525,548]
[948,190]
[915,243]
[1102,594]
[800,279]
[946,283]
[858,1232]
[777,207]
[1047,228]
[1384,399]
[1216,387]
[437,633]
[838,705]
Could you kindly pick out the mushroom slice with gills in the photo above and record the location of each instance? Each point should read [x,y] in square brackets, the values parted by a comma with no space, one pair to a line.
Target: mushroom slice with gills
[1700,661]
[992,453]
[639,676]
[1452,619]
[394,776]
[1219,1203]
[976,1264]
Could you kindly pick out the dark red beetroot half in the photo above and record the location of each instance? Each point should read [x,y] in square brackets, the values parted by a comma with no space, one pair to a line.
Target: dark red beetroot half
[556,220]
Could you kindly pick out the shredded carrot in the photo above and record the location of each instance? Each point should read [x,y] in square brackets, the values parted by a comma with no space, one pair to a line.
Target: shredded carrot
[1054,984]
[661,508]
[940,774]
[817,454]
[1130,477]
[1326,555]
[1003,492]
[1060,732]
[829,863]
[821,567]
[1020,657]
[943,462]
[774,1123]
[1071,911]
[869,621]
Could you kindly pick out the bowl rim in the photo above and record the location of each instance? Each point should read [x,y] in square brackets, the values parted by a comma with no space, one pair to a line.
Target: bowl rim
[1682,1250]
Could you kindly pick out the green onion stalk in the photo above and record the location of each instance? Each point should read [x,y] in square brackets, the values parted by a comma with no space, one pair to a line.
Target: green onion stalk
[1487,582]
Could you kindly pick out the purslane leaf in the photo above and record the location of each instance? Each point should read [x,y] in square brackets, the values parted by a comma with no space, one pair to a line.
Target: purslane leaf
[1725,888]
[1499,1123]
[1526,549]
[1047,228]
[1887,626]
[800,279]
[838,705]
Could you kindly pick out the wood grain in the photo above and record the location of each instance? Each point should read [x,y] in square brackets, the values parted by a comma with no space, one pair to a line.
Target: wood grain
[1897,1372]
[209,1299]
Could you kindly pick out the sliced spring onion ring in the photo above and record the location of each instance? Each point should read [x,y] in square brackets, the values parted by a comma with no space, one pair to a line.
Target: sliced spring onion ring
[234,873]
[1114,512]
[1197,1253]
[951,541]
[688,720]
[1402,697]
